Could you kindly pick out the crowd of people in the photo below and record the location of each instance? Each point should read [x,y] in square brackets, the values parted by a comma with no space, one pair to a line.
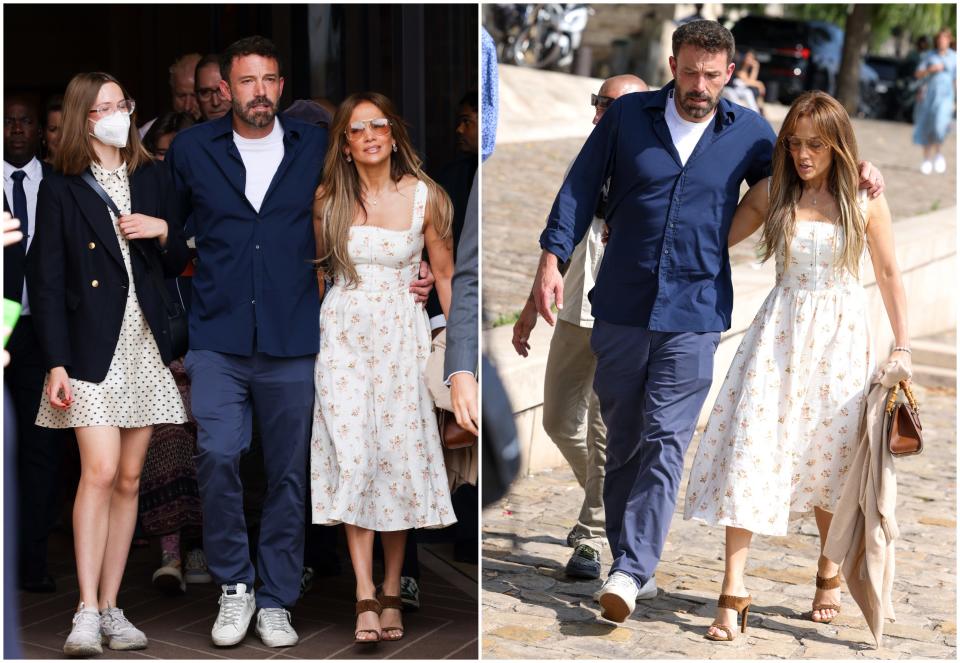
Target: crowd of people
[628,373]
[293,253]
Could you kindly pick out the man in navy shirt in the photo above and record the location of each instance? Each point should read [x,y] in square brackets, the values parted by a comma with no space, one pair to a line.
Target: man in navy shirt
[249,179]
[676,159]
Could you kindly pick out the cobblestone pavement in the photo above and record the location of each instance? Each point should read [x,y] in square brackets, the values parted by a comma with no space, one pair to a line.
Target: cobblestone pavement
[520,181]
[531,610]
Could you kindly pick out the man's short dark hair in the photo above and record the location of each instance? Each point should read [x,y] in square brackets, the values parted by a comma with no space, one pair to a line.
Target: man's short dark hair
[708,35]
[205,61]
[469,99]
[255,45]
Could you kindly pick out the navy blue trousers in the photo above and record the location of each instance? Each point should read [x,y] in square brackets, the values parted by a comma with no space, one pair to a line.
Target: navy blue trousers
[225,390]
[651,387]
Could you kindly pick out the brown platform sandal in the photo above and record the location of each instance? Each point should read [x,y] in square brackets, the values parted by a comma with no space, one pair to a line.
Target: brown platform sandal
[826,583]
[367,605]
[391,603]
[739,603]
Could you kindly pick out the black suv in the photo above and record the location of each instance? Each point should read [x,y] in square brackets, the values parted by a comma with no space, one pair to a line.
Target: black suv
[794,55]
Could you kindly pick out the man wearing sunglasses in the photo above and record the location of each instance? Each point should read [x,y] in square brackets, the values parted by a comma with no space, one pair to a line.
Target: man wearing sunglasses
[675,160]
[248,179]
[571,413]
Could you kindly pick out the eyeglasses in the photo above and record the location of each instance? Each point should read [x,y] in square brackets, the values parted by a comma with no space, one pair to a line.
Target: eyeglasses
[380,126]
[815,145]
[122,106]
[600,102]
[206,93]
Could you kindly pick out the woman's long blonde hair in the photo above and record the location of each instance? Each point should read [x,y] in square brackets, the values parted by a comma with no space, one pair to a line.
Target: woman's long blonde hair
[832,124]
[338,198]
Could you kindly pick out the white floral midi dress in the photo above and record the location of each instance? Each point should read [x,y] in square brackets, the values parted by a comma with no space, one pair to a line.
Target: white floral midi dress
[376,459]
[784,427]
[139,389]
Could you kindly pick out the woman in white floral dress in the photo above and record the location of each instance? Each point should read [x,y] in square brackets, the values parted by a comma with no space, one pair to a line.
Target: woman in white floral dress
[784,428]
[376,460]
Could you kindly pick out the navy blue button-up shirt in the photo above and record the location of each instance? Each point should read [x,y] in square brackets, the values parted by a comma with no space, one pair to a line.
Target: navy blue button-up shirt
[666,266]
[254,289]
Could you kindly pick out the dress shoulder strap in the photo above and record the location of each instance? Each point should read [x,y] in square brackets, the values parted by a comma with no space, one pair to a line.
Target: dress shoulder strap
[419,204]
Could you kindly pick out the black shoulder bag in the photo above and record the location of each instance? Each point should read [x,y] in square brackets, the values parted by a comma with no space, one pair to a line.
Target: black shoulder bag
[177,326]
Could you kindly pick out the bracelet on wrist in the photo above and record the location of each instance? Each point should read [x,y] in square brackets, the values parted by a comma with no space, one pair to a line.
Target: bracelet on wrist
[900,348]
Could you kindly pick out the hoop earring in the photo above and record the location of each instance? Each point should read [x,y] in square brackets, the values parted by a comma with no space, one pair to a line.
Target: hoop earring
[394,147]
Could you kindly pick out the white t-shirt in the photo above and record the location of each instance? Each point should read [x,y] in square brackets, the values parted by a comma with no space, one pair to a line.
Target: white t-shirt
[685,134]
[261,157]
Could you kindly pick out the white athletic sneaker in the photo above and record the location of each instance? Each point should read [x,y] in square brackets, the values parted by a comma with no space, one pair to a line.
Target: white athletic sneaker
[274,628]
[119,632]
[647,592]
[169,577]
[237,606]
[926,167]
[939,164]
[618,597]
[84,638]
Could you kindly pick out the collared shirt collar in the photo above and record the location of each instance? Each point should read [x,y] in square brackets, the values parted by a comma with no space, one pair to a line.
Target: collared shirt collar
[101,173]
[726,112]
[33,170]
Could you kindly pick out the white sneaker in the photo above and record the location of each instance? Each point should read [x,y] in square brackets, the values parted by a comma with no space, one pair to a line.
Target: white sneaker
[274,628]
[237,606]
[926,167]
[169,578]
[618,597]
[940,164]
[648,591]
[84,638]
[119,632]
[196,571]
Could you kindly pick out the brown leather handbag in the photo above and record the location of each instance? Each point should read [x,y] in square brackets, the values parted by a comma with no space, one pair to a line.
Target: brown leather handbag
[904,432]
[452,434]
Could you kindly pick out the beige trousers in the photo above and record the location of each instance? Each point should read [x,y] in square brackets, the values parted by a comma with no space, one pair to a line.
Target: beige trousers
[571,417]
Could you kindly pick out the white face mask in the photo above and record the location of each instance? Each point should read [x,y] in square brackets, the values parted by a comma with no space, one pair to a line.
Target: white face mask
[113,129]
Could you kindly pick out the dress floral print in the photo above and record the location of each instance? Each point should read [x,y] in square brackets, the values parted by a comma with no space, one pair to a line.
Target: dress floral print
[784,427]
[376,460]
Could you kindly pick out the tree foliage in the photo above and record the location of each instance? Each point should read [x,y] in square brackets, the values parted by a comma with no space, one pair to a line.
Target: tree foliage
[912,19]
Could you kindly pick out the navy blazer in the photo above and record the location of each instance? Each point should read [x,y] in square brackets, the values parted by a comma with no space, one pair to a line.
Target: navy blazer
[13,255]
[254,287]
[76,276]
[666,266]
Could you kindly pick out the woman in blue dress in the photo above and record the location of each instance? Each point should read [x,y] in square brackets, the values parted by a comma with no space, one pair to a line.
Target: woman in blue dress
[935,111]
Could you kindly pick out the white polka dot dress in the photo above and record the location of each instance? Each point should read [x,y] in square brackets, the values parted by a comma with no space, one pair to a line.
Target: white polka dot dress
[139,389]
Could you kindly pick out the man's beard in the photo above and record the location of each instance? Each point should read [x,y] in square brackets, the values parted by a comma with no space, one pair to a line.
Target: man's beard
[698,111]
[258,119]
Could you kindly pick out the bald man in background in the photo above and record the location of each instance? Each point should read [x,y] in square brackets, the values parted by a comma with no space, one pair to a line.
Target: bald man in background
[183,95]
[571,412]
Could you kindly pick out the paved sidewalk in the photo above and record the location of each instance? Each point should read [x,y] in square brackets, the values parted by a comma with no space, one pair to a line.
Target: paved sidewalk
[531,610]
